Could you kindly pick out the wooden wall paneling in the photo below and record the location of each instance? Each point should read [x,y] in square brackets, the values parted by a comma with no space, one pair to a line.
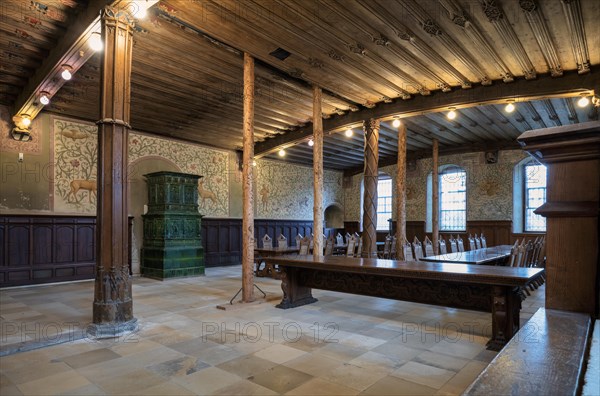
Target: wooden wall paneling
[496,232]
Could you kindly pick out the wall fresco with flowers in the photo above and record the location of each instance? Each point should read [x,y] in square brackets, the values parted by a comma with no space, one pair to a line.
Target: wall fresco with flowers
[489,186]
[285,191]
[75,167]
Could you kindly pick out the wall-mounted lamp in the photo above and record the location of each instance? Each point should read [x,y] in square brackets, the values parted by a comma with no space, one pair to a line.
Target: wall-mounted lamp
[26,121]
[21,130]
[95,42]
[66,73]
[451,114]
[44,98]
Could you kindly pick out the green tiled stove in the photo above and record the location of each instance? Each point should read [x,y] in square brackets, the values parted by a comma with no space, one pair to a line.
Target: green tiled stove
[172,245]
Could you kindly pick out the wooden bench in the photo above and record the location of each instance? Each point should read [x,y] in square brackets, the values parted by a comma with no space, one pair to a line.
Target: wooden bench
[480,288]
[545,357]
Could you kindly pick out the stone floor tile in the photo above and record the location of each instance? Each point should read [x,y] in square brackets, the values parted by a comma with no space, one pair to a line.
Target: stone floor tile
[340,352]
[281,379]
[354,377]
[54,384]
[424,374]
[207,381]
[377,361]
[396,386]
[319,386]
[441,360]
[314,364]
[247,366]
[178,367]
[244,387]
[90,357]
[279,353]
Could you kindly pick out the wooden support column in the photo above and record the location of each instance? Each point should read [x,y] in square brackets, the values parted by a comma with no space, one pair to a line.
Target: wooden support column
[401,192]
[317,172]
[113,304]
[371,129]
[247,181]
[435,212]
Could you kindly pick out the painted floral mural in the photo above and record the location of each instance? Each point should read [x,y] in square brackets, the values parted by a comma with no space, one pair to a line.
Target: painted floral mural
[75,167]
[285,191]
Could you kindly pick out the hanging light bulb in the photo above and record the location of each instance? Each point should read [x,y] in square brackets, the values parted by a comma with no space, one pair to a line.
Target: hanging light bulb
[95,42]
[66,73]
[451,114]
[311,142]
[509,108]
[396,123]
[584,101]
[349,132]
[282,153]
[44,98]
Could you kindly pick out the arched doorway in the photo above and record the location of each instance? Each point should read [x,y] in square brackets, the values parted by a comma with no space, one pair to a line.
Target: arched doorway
[334,218]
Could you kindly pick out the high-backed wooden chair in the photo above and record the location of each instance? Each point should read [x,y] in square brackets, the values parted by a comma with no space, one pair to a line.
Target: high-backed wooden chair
[393,248]
[460,244]
[407,251]
[418,247]
[282,242]
[298,239]
[348,236]
[329,246]
[339,239]
[312,242]
[477,242]
[472,243]
[483,241]
[453,244]
[512,261]
[304,245]
[360,246]
[351,246]
[442,245]
[267,242]
[386,248]
[428,246]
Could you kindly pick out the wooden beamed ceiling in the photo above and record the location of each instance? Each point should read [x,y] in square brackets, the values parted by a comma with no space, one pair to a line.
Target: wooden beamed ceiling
[373,58]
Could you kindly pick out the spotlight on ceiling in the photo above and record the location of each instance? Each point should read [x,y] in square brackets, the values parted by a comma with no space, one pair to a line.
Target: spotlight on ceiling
[510,107]
[254,163]
[44,98]
[349,132]
[451,114]
[584,101]
[311,142]
[282,153]
[396,123]
[26,121]
[95,42]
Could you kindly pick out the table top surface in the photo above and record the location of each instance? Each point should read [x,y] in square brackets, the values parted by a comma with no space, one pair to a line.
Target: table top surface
[289,249]
[414,269]
[477,256]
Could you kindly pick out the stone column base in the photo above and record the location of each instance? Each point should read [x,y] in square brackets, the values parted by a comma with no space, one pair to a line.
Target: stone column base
[111,330]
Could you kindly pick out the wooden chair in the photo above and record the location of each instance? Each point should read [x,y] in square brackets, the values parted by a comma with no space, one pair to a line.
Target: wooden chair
[472,243]
[477,242]
[386,248]
[312,242]
[282,242]
[453,244]
[393,248]
[339,239]
[348,236]
[428,247]
[460,244]
[298,239]
[304,245]
[513,254]
[407,251]
[483,241]
[442,246]
[329,247]
[418,247]
[360,246]
[267,242]
[351,246]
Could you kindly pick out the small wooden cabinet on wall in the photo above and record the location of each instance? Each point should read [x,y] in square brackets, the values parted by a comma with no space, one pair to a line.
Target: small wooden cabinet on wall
[172,245]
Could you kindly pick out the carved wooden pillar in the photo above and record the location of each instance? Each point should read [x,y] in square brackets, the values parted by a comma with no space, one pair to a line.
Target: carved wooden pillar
[401,191]
[435,189]
[317,172]
[113,304]
[247,180]
[371,128]
[572,155]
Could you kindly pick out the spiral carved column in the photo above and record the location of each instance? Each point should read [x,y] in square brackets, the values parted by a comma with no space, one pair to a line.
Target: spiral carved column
[371,129]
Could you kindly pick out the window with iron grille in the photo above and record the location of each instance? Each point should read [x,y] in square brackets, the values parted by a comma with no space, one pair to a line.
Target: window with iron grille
[384,203]
[535,196]
[453,200]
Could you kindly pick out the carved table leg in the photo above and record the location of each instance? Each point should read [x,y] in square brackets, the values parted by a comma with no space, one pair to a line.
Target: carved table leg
[294,295]
[506,306]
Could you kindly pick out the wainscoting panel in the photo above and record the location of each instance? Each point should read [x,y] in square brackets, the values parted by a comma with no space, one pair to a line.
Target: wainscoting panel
[47,248]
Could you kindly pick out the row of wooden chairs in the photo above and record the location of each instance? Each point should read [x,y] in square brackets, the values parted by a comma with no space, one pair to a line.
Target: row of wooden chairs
[529,254]
[417,250]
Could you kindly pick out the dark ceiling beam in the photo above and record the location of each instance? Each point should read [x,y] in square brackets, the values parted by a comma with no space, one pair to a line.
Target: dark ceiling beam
[570,84]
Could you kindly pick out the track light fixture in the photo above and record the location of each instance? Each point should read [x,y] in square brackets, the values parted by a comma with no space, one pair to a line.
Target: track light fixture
[396,123]
[349,132]
[451,114]
[66,73]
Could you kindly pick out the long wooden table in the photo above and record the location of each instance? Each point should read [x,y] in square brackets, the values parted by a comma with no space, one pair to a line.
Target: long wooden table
[480,288]
[495,255]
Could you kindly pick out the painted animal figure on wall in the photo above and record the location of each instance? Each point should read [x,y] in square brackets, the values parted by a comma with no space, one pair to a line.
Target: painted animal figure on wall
[76,185]
[206,193]
[74,134]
